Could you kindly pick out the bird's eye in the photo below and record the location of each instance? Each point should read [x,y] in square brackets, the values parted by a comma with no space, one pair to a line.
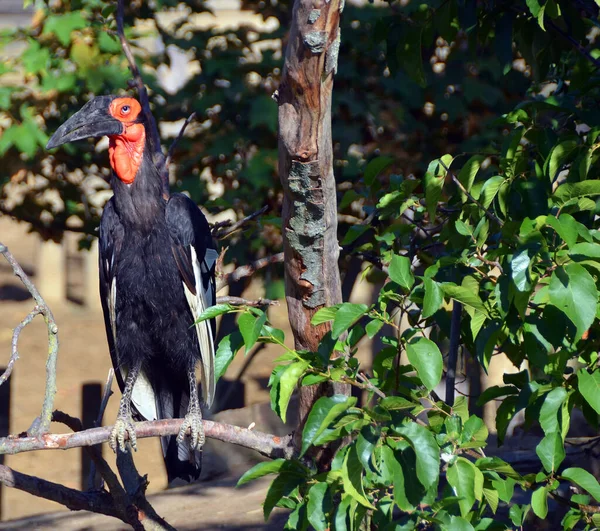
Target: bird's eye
[125,109]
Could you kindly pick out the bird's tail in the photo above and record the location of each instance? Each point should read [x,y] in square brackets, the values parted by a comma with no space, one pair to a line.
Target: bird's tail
[181,461]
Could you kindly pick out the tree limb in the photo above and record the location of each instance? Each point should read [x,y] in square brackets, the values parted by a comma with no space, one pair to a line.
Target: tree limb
[178,138]
[239,301]
[229,228]
[44,310]
[158,156]
[248,270]
[268,445]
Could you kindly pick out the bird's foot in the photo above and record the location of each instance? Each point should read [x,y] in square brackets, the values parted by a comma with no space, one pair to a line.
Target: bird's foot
[193,422]
[123,426]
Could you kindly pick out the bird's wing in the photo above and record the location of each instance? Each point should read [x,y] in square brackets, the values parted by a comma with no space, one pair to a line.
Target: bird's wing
[110,243]
[196,256]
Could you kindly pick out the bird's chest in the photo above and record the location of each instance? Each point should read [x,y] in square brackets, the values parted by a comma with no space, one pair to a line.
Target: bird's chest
[147,277]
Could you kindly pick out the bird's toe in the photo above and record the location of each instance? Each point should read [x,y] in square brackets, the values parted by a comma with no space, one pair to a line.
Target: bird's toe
[123,430]
[192,422]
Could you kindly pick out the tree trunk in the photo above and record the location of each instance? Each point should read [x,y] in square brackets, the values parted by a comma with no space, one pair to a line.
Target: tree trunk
[312,277]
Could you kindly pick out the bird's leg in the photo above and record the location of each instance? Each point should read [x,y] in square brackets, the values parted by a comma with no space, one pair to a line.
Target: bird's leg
[193,417]
[124,423]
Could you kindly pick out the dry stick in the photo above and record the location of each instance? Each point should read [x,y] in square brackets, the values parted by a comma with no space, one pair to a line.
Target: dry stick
[249,270]
[158,157]
[453,352]
[239,301]
[266,444]
[15,339]
[98,422]
[178,138]
[98,502]
[42,307]
[229,229]
[118,493]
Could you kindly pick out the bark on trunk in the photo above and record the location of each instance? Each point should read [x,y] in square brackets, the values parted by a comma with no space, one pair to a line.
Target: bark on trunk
[312,277]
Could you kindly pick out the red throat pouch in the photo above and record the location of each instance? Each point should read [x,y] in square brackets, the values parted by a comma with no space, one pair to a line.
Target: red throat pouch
[125,151]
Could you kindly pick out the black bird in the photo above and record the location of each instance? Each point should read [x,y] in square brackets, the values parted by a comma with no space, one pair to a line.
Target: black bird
[157,262]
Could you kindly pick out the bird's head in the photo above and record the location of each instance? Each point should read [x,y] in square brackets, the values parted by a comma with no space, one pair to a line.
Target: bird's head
[119,118]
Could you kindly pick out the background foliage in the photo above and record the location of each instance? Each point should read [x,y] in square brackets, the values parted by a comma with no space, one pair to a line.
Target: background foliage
[466,138]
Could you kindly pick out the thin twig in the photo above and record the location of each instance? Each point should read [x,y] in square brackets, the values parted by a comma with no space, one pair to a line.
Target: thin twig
[178,138]
[42,308]
[98,422]
[239,301]
[489,214]
[15,339]
[158,157]
[229,228]
[453,351]
[264,443]
[249,270]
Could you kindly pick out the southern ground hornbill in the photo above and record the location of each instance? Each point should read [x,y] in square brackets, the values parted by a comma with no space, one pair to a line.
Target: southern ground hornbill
[157,261]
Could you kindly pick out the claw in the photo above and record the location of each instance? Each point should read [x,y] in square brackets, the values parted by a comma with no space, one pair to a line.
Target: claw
[193,422]
[123,426]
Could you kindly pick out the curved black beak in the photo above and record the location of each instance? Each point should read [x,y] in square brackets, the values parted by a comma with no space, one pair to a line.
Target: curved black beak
[92,120]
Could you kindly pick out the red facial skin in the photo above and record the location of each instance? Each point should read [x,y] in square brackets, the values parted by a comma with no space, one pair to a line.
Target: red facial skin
[125,150]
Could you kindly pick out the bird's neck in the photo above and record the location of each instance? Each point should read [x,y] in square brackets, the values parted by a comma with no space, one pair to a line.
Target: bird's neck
[125,152]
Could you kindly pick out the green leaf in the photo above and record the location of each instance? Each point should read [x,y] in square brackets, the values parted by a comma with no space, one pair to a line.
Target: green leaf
[469,171]
[324,411]
[491,496]
[467,481]
[584,479]
[317,508]
[465,296]
[565,227]
[549,411]
[250,327]
[426,450]
[287,383]
[375,167]
[462,228]
[373,327]
[589,387]
[576,190]
[400,271]
[490,189]
[63,25]
[392,469]
[260,470]
[539,502]
[228,348]
[324,314]
[425,356]
[458,523]
[283,485]
[559,156]
[505,488]
[213,311]
[346,316]
[506,411]
[434,297]
[352,472]
[519,266]
[573,291]
[551,451]
[586,250]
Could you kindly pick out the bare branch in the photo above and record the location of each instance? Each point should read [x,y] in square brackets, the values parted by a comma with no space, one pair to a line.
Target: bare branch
[15,339]
[238,301]
[159,158]
[229,228]
[453,351]
[42,308]
[98,502]
[264,443]
[249,270]
[98,422]
[178,138]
